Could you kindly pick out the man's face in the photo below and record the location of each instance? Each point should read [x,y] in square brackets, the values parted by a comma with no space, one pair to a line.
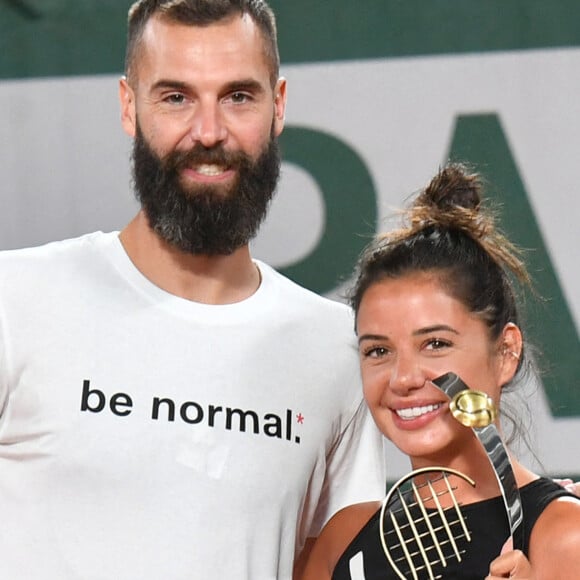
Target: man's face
[204,218]
[205,119]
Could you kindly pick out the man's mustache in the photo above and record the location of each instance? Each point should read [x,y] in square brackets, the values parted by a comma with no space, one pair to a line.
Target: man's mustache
[200,155]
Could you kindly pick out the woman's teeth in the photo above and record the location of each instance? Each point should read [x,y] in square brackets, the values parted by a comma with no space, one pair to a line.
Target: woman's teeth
[414,412]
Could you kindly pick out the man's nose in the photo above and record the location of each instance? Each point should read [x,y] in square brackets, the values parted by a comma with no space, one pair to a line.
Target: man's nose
[207,125]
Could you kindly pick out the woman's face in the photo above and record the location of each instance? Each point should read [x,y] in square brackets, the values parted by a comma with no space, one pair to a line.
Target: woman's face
[411,331]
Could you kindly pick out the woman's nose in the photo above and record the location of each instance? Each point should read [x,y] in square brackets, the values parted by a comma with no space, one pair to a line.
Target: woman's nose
[407,375]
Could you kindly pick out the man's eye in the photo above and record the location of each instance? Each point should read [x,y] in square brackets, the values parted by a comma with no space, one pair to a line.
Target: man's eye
[239,97]
[175,99]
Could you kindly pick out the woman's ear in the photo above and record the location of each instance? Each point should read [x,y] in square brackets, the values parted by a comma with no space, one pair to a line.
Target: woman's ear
[511,351]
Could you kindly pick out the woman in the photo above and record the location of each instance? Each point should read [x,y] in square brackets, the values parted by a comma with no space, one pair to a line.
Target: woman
[434,297]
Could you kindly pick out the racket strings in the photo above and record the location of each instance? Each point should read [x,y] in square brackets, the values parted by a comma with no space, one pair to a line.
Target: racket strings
[423,527]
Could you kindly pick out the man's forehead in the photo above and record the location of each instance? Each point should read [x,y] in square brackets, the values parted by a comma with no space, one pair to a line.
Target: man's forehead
[233,24]
[239,30]
[235,40]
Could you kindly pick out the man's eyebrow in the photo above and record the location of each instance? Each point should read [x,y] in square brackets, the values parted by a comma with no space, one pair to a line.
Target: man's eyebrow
[170,84]
[250,85]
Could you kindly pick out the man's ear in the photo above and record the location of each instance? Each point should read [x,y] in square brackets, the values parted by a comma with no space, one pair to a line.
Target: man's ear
[511,351]
[279,105]
[127,101]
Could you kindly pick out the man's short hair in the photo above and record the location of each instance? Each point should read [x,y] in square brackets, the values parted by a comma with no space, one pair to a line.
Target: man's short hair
[201,13]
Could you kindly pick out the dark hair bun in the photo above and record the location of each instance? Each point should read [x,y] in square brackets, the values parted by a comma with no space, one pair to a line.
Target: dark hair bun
[454,186]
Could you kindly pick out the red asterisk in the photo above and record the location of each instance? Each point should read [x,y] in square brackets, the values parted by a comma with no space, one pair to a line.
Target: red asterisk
[300,418]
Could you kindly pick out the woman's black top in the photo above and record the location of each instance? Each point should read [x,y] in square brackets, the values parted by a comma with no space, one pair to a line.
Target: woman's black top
[486,521]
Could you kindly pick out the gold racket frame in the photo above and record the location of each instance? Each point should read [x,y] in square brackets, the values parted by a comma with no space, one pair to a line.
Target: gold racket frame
[416,536]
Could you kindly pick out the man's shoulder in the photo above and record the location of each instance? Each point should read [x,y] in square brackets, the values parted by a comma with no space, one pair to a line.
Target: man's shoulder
[55,250]
[300,294]
[24,271]
[320,318]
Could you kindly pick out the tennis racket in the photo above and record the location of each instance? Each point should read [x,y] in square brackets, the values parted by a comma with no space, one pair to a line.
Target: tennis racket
[421,525]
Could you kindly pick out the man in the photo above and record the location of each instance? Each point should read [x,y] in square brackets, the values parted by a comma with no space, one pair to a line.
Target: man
[169,407]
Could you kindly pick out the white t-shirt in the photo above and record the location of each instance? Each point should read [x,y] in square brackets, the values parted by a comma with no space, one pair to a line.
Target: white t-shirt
[144,436]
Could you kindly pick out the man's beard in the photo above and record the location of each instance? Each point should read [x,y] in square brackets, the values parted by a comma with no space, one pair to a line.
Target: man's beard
[205,218]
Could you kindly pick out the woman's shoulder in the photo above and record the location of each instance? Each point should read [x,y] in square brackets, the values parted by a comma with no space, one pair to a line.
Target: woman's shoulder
[561,515]
[335,538]
[355,513]
[555,538]
[344,526]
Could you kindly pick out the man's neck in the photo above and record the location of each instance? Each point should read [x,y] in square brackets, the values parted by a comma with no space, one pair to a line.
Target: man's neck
[199,278]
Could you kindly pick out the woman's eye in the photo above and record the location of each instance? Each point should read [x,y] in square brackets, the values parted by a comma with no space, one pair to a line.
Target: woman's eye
[437,344]
[375,352]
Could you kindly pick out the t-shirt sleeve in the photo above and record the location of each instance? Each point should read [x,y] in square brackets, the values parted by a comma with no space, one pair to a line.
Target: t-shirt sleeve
[355,468]
[3,363]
